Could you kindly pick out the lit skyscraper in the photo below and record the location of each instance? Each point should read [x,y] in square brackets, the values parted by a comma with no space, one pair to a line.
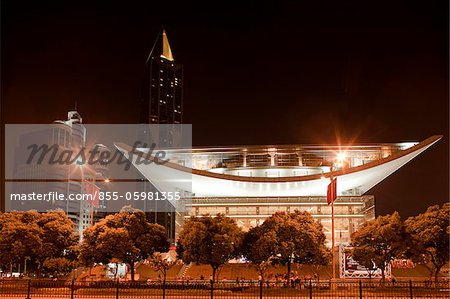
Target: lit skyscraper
[162,103]
[162,93]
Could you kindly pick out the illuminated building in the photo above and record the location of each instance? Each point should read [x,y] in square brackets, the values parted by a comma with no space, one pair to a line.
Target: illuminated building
[69,136]
[162,103]
[162,92]
[249,183]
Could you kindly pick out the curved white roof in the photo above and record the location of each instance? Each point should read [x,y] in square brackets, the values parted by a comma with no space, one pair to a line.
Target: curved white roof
[350,181]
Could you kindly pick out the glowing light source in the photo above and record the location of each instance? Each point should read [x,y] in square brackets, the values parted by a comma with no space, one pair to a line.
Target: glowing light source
[341,156]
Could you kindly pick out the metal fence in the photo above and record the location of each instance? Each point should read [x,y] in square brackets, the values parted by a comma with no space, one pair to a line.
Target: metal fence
[28,289]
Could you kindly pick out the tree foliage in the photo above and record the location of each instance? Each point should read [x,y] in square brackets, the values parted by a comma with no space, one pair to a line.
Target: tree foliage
[58,266]
[36,238]
[20,238]
[259,248]
[379,242]
[59,241]
[210,240]
[124,237]
[287,238]
[430,236]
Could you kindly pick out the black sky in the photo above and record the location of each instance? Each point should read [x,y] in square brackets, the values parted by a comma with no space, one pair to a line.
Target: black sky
[255,73]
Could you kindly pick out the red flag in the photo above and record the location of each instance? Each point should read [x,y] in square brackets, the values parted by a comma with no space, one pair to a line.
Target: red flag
[332,191]
[94,190]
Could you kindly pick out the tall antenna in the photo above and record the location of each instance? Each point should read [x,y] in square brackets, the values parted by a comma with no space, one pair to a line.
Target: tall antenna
[154,44]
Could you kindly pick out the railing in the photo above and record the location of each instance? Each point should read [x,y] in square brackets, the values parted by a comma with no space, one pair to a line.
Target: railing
[28,289]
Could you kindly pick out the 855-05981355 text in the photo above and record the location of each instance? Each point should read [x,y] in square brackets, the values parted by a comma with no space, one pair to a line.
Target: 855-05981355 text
[97,195]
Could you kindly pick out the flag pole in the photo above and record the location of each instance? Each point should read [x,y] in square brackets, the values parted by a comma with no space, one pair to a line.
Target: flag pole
[331,196]
[332,235]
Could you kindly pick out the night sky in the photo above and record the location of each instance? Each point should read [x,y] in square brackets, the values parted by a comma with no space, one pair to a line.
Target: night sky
[281,73]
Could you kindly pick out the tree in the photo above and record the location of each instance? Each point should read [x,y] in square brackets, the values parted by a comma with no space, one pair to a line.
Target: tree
[379,241]
[89,254]
[20,238]
[290,238]
[115,246]
[162,265]
[123,237]
[258,247]
[430,236]
[36,237]
[210,240]
[58,266]
[59,240]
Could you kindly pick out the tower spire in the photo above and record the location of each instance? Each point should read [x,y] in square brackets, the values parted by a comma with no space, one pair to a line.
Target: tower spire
[162,93]
[161,44]
[166,51]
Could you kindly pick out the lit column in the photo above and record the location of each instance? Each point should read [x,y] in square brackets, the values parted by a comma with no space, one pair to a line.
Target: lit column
[272,155]
[300,158]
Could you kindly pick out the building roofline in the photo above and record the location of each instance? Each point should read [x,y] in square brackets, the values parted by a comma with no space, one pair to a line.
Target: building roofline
[427,142]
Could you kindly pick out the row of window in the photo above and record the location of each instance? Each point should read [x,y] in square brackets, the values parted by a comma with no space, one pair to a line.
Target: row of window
[269,210]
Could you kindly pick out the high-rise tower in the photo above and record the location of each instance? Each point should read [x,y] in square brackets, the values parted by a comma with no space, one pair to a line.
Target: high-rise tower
[163,85]
[162,103]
